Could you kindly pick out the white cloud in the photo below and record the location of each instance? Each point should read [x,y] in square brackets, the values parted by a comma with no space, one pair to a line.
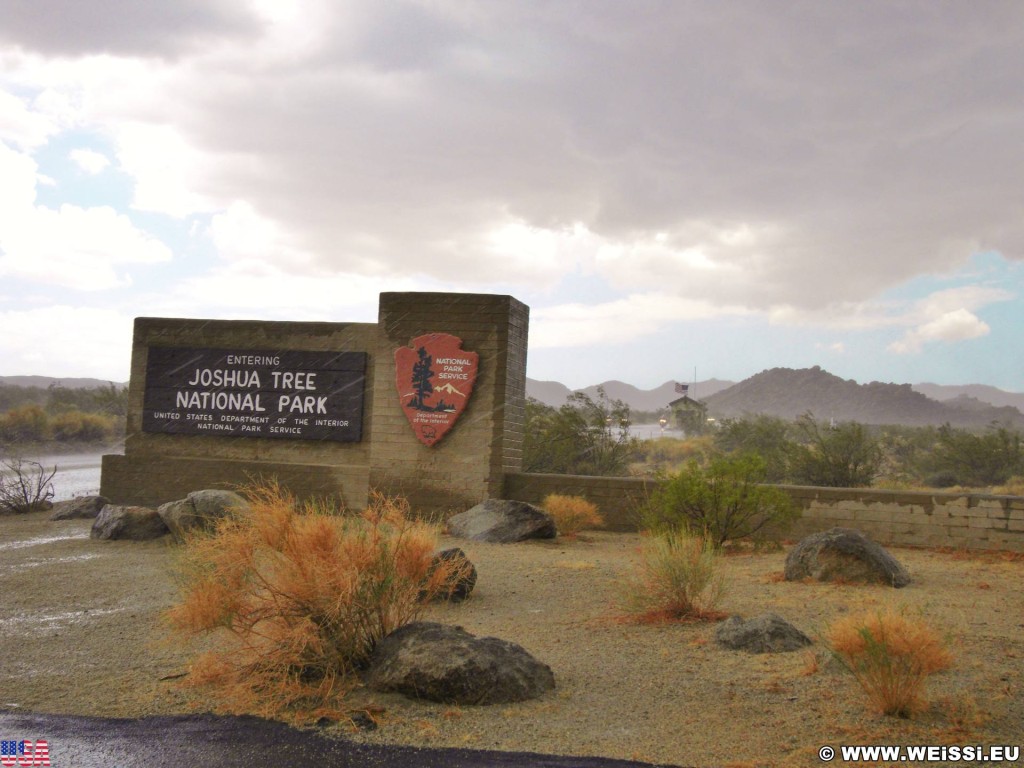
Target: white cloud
[613,322]
[241,234]
[166,169]
[21,125]
[257,288]
[71,247]
[60,340]
[956,325]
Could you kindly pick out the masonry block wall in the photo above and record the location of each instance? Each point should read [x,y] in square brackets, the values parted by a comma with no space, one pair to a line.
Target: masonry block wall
[896,518]
[617,498]
[961,521]
[468,465]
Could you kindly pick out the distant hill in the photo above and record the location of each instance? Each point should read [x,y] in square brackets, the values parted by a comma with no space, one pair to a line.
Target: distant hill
[43,382]
[554,394]
[981,392]
[783,392]
[788,393]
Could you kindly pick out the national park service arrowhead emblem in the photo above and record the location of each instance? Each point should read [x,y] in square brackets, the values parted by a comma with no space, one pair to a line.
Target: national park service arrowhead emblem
[435,378]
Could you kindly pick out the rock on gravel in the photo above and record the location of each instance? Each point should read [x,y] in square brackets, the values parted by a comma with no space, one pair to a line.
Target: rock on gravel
[85,507]
[437,662]
[767,633]
[843,554]
[503,522]
[125,522]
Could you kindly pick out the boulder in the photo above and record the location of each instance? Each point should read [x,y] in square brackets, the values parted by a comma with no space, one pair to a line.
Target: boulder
[200,509]
[463,579]
[503,522]
[85,507]
[124,522]
[436,662]
[843,554]
[767,633]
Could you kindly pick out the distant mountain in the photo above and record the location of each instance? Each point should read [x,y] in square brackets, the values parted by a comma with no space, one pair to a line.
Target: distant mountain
[982,392]
[554,394]
[551,393]
[43,382]
[788,393]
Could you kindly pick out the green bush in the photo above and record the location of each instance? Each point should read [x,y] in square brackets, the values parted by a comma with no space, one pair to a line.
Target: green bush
[583,437]
[726,501]
[765,436]
[840,456]
[976,460]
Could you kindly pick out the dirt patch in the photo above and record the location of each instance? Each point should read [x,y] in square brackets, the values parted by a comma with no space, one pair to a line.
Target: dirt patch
[81,634]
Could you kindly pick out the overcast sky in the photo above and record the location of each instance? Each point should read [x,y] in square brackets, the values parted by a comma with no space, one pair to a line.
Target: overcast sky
[674,188]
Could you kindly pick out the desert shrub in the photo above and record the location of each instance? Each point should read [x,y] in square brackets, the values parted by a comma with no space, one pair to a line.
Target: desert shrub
[725,501]
[891,656]
[841,456]
[670,453]
[944,478]
[978,460]
[25,486]
[79,426]
[1012,487]
[763,435]
[678,577]
[28,423]
[295,598]
[571,514]
[586,436]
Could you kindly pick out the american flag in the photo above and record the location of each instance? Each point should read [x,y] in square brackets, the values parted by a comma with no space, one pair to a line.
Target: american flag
[682,388]
[16,754]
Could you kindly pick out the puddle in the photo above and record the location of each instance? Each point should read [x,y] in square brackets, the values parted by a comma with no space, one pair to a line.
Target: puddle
[50,561]
[42,540]
[21,625]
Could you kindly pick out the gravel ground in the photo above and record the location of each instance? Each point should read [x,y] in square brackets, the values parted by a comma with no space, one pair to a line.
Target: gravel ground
[80,634]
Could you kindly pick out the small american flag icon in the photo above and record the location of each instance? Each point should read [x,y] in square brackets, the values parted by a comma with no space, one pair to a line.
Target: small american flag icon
[23,753]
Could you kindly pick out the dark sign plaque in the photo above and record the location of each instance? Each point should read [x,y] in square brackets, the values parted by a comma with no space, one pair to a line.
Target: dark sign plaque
[250,393]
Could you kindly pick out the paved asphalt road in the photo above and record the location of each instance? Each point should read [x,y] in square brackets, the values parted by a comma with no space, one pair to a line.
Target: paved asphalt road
[243,742]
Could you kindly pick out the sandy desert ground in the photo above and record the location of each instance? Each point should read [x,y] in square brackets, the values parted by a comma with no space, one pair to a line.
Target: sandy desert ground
[81,634]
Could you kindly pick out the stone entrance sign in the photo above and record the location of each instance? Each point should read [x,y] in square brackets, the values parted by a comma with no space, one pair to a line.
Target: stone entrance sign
[254,393]
[313,406]
[435,379]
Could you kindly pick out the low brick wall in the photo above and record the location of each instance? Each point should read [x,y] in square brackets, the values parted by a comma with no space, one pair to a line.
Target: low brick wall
[914,518]
[617,498]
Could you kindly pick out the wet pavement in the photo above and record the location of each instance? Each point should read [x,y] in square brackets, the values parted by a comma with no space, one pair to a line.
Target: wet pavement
[243,742]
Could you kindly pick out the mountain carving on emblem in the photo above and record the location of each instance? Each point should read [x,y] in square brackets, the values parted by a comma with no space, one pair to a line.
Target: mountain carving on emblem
[449,388]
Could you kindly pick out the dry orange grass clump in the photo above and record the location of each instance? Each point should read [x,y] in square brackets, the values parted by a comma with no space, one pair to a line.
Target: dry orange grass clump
[891,657]
[571,514]
[678,578]
[295,597]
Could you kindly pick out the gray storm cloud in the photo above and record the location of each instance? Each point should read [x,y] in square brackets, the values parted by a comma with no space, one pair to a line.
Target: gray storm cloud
[810,152]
